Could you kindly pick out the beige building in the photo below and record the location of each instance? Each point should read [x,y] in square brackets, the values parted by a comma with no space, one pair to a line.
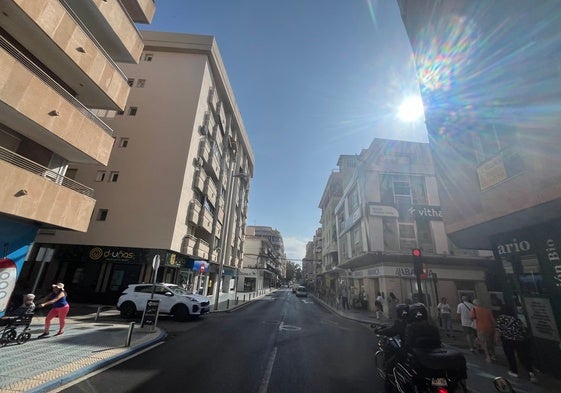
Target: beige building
[389,205]
[58,63]
[176,185]
[261,265]
[490,81]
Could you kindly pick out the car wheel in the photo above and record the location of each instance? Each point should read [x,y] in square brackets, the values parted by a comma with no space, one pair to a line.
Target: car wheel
[180,312]
[128,310]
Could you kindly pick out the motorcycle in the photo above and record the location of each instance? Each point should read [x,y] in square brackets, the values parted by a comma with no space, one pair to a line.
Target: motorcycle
[437,370]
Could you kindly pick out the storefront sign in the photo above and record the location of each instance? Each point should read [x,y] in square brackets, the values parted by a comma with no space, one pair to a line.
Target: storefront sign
[541,318]
[514,246]
[492,172]
[382,211]
[554,261]
[425,212]
[111,254]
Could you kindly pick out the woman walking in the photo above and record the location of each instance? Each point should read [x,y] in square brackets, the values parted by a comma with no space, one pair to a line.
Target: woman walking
[514,340]
[60,308]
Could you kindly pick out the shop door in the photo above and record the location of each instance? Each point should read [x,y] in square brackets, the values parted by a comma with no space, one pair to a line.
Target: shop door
[121,276]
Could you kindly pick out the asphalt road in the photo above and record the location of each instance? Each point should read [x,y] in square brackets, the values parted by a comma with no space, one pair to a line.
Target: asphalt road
[279,344]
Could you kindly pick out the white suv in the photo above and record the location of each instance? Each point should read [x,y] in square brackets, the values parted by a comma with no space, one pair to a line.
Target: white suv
[174,300]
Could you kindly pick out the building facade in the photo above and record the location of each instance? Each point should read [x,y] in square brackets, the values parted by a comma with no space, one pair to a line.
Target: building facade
[261,264]
[389,206]
[176,184]
[490,81]
[59,64]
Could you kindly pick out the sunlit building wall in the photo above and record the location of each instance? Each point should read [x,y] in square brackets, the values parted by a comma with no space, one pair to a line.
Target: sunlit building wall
[59,64]
[490,78]
[178,175]
[389,206]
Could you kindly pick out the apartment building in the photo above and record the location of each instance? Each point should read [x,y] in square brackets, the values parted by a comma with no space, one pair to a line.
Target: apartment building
[390,205]
[261,262]
[59,64]
[492,103]
[311,263]
[275,238]
[176,185]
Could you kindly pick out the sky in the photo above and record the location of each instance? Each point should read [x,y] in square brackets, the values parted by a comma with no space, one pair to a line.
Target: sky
[313,79]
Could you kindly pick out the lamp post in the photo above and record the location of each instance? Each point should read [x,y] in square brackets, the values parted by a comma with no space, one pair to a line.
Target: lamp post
[224,250]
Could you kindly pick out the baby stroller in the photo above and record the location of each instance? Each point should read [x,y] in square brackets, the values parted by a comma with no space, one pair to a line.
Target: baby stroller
[16,329]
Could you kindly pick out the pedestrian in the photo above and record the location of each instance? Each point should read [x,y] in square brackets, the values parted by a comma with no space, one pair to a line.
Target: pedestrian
[485,326]
[392,304]
[468,325]
[345,297]
[514,339]
[60,308]
[378,304]
[26,307]
[445,313]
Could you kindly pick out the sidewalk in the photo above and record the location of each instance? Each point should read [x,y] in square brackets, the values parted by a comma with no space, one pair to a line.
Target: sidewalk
[476,362]
[42,365]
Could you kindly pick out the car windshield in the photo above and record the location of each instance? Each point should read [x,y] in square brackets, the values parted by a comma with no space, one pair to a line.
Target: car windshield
[177,290]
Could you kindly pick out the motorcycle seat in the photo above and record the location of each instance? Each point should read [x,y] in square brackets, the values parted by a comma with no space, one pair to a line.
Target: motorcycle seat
[439,358]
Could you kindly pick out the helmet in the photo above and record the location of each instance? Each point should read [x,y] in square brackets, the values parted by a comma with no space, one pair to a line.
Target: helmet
[418,312]
[402,310]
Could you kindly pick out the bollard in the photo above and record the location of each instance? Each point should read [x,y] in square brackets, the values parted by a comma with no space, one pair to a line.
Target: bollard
[244,297]
[129,335]
[97,313]
[227,304]
[237,299]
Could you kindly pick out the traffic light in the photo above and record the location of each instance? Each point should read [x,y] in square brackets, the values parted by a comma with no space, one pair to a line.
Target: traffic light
[417,261]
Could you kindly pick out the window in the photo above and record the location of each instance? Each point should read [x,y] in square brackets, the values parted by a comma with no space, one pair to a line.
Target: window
[353,201]
[133,110]
[424,235]
[148,56]
[113,177]
[120,112]
[102,214]
[71,173]
[124,142]
[130,82]
[140,83]
[100,176]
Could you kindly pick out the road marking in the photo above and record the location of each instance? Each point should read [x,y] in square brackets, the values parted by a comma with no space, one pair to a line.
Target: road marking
[268,371]
[282,326]
[307,302]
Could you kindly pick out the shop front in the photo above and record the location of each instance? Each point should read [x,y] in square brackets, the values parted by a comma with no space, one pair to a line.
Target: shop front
[97,274]
[531,262]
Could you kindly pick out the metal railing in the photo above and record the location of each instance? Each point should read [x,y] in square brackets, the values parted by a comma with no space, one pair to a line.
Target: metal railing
[39,73]
[30,166]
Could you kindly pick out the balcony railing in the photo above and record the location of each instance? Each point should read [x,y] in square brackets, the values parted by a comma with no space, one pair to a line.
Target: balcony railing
[33,167]
[39,73]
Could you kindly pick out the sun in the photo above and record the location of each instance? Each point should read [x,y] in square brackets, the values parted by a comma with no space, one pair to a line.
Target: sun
[411,109]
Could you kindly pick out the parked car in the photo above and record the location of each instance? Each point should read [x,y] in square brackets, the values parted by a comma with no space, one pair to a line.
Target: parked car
[174,300]
[301,291]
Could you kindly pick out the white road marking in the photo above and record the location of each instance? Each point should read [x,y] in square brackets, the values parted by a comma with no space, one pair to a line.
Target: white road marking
[282,326]
[268,371]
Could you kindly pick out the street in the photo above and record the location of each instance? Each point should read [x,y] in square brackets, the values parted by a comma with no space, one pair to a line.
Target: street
[280,343]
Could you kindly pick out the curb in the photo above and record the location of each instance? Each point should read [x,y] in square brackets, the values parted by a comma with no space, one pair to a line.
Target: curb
[50,385]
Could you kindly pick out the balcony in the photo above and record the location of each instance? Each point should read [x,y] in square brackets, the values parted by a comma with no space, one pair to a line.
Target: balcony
[61,43]
[198,215]
[210,191]
[141,11]
[188,245]
[113,26]
[201,249]
[199,180]
[211,163]
[41,110]
[35,193]
[218,230]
